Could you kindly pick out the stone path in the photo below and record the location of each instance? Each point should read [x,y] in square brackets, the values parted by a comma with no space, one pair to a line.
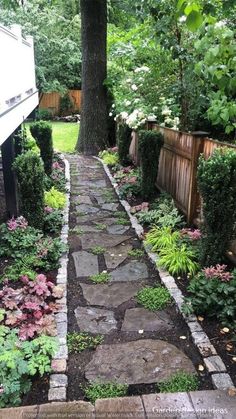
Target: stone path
[136,349]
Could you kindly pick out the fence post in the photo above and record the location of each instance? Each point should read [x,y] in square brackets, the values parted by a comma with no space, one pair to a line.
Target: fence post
[198,145]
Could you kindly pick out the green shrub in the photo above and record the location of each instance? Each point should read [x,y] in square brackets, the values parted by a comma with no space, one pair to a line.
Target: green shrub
[78,342]
[179,382]
[123,141]
[43,114]
[213,295]
[66,104]
[30,178]
[20,360]
[53,222]
[150,144]
[54,198]
[42,132]
[217,185]
[155,298]
[104,391]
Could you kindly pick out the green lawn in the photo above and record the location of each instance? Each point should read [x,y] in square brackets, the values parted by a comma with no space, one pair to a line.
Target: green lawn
[64,135]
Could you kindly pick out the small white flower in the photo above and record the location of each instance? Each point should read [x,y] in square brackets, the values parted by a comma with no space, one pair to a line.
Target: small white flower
[140,331]
[182,19]
[113,105]
[110,113]
[134,87]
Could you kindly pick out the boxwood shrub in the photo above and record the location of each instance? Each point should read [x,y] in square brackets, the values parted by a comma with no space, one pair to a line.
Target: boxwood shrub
[150,144]
[123,142]
[42,132]
[217,185]
[30,178]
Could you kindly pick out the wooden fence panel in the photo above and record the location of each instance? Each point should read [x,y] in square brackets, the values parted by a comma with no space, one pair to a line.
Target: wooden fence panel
[51,101]
[178,163]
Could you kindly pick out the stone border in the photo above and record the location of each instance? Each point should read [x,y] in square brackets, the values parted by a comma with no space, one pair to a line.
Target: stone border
[221,380]
[58,380]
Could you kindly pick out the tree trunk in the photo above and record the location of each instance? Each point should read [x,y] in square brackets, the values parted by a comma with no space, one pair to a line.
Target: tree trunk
[93,126]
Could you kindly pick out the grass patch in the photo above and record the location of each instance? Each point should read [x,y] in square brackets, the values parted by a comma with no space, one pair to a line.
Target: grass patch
[64,135]
[100,278]
[179,382]
[98,250]
[155,298]
[136,253]
[104,391]
[78,342]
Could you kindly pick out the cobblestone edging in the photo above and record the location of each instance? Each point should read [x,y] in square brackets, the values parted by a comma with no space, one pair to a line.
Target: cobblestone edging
[213,363]
[58,379]
[209,404]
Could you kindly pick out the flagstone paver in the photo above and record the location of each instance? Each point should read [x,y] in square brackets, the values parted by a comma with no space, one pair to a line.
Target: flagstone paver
[111,294]
[110,207]
[101,239]
[132,271]
[86,264]
[141,319]
[137,362]
[114,256]
[117,229]
[86,208]
[95,320]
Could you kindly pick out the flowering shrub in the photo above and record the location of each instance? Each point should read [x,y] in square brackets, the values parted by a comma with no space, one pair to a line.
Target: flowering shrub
[213,292]
[219,271]
[193,234]
[15,240]
[20,240]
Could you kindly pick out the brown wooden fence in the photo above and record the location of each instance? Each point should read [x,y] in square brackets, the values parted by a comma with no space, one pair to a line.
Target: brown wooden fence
[178,167]
[51,101]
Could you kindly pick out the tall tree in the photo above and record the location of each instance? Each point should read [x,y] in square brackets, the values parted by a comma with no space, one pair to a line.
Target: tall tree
[93,127]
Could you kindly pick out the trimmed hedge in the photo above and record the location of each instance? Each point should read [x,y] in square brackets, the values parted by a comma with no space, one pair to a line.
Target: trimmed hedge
[123,143]
[42,132]
[30,178]
[150,144]
[217,185]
